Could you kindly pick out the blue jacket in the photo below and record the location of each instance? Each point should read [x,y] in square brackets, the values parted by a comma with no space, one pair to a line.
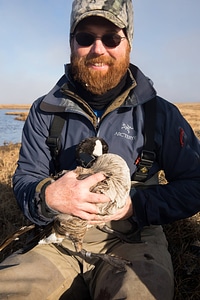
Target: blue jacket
[177,148]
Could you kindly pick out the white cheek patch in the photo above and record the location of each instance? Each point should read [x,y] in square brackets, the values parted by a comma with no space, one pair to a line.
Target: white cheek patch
[98,149]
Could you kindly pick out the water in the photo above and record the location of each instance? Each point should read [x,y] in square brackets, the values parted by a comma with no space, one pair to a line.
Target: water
[10,129]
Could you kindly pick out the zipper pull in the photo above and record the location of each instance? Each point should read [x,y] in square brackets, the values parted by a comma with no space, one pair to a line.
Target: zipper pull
[97,124]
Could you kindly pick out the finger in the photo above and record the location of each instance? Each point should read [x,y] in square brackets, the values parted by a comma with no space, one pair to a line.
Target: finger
[87,208]
[94,219]
[98,198]
[93,179]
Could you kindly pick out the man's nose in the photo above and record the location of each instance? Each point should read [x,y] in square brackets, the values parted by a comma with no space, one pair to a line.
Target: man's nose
[98,47]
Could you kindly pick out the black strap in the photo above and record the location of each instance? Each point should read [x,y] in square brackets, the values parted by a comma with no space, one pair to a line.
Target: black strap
[53,141]
[149,124]
[147,157]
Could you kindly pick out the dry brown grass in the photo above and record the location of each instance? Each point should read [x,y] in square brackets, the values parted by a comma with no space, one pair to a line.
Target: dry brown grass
[183,236]
[21,116]
[192,114]
[10,215]
[15,106]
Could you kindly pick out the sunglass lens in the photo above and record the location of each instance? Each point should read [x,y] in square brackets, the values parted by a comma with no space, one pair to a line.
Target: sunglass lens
[84,39]
[111,40]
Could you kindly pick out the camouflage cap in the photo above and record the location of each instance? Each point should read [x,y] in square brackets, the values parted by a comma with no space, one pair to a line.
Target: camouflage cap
[119,12]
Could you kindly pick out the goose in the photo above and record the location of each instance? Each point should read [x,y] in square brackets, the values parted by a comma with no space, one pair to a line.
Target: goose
[93,157]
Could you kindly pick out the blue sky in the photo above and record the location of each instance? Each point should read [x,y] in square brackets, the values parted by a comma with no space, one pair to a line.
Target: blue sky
[34,47]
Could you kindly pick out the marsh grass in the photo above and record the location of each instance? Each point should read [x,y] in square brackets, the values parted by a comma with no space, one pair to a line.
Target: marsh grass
[21,116]
[15,106]
[183,236]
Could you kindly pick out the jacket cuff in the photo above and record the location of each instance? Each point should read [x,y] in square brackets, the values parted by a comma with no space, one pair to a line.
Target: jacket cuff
[43,209]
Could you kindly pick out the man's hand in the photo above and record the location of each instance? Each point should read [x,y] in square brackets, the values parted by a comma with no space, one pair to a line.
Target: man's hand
[72,196]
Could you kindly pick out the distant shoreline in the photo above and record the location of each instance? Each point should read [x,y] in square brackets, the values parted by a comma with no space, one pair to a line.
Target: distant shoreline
[15,106]
[21,116]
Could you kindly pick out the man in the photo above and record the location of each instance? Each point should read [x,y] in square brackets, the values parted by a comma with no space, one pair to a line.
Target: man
[102,94]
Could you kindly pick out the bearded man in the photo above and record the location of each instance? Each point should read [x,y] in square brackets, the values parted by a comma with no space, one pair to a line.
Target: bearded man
[102,94]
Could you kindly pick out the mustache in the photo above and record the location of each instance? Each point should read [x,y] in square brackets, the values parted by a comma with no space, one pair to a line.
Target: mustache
[98,60]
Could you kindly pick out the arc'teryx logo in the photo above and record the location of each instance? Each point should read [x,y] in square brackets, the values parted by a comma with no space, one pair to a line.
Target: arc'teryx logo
[127,127]
[126,135]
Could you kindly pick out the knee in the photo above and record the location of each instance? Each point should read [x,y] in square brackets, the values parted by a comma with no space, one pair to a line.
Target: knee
[144,281]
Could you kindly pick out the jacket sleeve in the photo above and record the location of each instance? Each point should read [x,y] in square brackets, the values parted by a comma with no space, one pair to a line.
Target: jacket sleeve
[178,154]
[33,165]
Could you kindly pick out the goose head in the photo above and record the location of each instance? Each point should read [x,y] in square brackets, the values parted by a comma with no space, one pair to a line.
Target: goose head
[89,149]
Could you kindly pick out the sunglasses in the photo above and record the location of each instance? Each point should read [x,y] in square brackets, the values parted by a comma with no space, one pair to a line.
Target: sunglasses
[110,40]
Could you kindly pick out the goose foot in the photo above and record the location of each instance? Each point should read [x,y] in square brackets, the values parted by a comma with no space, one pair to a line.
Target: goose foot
[117,262]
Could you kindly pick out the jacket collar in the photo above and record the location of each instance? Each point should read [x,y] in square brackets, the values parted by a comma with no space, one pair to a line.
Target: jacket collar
[63,97]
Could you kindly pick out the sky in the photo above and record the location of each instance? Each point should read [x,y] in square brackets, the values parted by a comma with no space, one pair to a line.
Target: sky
[34,46]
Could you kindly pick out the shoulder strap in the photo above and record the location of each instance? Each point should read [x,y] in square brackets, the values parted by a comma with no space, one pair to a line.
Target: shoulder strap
[147,157]
[53,140]
[149,124]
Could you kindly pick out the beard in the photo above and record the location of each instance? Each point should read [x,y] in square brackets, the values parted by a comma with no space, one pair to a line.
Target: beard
[98,82]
